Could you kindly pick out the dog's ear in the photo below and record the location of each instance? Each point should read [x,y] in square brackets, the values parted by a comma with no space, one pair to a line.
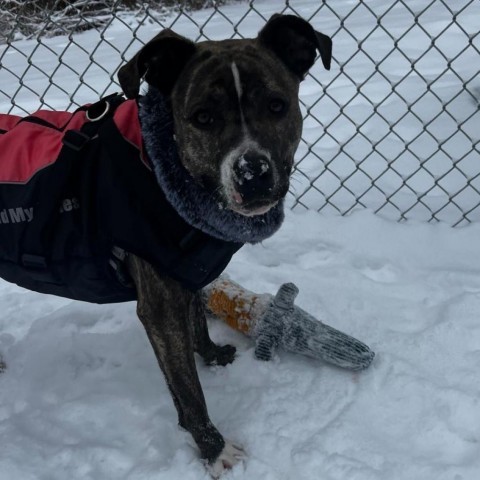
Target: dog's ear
[160,61]
[296,43]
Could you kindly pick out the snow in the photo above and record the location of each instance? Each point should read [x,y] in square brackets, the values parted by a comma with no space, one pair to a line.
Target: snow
[83,398]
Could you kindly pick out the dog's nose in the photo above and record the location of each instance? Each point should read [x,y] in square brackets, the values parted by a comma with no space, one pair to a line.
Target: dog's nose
[253,177]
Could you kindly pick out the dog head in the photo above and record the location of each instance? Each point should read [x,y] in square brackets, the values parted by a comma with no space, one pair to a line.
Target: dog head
[235,105]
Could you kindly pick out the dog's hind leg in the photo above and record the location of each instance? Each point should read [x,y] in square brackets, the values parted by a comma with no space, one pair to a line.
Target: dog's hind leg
[211,353]
[164,308]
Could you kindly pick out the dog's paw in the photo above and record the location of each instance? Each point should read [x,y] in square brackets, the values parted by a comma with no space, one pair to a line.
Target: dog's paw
[230,455]
[220,355]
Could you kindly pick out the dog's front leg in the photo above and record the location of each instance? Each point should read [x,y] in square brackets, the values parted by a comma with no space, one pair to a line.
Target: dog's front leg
[164,308]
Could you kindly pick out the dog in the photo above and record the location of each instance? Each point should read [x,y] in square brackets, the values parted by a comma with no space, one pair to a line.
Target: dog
[227,112]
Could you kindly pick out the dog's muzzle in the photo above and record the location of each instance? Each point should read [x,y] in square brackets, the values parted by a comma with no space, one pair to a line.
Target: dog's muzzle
[253,184]
[253,177]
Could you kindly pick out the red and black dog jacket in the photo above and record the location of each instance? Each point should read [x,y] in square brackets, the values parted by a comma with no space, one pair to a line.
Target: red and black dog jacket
[72,190]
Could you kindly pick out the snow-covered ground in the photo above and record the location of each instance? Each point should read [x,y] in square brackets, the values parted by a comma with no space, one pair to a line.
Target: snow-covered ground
[83,399]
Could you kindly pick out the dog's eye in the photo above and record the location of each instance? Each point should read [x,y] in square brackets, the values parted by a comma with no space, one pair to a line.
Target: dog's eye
[276,105]
[203,118]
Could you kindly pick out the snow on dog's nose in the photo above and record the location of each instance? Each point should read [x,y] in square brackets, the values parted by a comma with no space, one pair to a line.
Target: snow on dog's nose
[253,178]
[250,180]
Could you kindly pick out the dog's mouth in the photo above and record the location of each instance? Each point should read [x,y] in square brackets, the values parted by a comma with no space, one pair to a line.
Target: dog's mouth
[250,209]
[231,198]
[250,202]
[251,183]
[237,203]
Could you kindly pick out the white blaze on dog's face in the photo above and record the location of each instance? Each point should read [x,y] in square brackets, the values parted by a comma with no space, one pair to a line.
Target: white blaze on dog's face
[247,172]
[238,124]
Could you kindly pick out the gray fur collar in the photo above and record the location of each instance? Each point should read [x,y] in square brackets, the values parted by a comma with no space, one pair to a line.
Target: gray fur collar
[193,203]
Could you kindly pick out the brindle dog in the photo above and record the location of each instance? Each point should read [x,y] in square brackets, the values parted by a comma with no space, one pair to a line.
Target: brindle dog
[236,114]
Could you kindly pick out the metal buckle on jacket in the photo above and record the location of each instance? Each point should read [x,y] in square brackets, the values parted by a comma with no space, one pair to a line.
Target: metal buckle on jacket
[92,111]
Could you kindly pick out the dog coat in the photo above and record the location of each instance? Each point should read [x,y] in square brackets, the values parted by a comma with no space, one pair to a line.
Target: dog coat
[75,191]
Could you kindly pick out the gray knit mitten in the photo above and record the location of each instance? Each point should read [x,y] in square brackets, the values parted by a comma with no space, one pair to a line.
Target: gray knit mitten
[287,326]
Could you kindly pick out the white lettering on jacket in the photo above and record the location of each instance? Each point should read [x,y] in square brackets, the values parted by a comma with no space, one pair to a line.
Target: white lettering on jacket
[16,215]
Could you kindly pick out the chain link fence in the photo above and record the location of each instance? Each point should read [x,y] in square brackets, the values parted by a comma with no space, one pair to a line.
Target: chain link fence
[393,127]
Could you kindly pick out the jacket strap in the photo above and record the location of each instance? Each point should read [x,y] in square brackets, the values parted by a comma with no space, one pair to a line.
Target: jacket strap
[74,141]
[96,114]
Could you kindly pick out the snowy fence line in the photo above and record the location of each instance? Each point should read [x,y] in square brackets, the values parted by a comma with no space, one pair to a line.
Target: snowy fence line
[394,126]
